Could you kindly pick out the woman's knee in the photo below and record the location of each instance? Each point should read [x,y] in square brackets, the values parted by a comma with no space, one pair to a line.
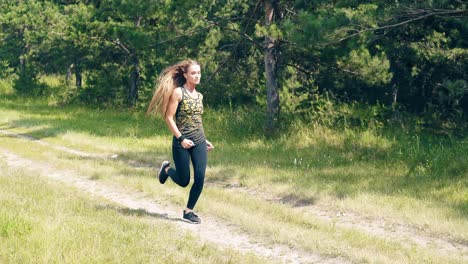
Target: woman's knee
[185,180]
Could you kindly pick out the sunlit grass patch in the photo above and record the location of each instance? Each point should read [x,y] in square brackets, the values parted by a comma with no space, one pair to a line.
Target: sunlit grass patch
[46,222]
[5,88]
[310,136]
[13,225]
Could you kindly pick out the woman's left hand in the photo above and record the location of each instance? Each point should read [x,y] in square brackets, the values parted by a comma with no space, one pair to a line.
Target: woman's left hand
[209,146]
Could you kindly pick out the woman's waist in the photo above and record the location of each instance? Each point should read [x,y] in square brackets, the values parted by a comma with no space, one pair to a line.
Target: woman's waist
[197,135]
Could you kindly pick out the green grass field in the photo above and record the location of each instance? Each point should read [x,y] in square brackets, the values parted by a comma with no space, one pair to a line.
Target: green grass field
[258,184]
[45,222]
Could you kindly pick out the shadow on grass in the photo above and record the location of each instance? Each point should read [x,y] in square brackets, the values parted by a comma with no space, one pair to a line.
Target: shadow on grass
[222,176]
[137,160]
[139,213]
[36,134]
[104,123]
[297,201]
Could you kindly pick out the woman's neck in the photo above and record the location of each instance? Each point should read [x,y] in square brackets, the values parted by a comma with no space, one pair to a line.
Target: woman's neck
[189,87]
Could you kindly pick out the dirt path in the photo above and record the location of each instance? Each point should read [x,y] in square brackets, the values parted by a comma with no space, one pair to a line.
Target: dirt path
[404,233]
[53,146]
[211,231]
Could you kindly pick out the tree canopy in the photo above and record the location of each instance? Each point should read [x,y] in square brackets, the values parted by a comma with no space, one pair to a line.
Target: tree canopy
[289,56]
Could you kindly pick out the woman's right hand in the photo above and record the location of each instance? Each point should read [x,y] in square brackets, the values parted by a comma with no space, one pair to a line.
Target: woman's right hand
[187,143]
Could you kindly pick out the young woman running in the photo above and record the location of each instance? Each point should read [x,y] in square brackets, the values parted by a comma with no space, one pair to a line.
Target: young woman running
[180,104]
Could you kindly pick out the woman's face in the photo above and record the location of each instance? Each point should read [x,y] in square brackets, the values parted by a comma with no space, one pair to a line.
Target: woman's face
[193,74]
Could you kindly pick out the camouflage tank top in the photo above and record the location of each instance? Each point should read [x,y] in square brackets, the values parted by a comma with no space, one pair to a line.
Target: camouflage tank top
[189,117]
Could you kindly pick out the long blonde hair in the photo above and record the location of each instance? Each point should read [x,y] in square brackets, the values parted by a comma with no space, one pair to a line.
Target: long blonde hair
[169,79]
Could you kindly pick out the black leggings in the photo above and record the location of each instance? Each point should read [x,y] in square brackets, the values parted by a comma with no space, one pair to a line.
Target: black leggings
[181,173]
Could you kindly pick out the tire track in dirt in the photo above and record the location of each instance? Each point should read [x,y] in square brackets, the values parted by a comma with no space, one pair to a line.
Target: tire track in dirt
[211,231]
[406,234]
[53,146]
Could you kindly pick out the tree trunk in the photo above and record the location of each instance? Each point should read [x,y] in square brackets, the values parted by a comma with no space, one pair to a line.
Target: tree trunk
[396,116]
[394,96]
[69,74]
[78,78]
[22,66]
[271,72]
[135,73]
[134,78]
[23,58]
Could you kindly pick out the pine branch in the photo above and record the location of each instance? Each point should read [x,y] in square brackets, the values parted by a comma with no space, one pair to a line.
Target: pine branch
[118,43]
[420,15]
[246,37]
[192,32]
[237,44]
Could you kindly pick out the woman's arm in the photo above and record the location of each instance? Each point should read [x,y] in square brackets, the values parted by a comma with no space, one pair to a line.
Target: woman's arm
[174,100]
[209,146]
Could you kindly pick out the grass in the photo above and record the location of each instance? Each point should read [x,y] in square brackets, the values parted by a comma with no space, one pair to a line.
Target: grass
[408,177]
[45,222]
[276,223]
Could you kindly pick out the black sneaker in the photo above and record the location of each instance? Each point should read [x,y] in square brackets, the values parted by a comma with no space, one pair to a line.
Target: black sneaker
[192,217]
[162,176]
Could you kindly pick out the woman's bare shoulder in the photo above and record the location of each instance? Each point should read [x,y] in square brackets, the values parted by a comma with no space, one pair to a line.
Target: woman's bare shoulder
[177,93]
